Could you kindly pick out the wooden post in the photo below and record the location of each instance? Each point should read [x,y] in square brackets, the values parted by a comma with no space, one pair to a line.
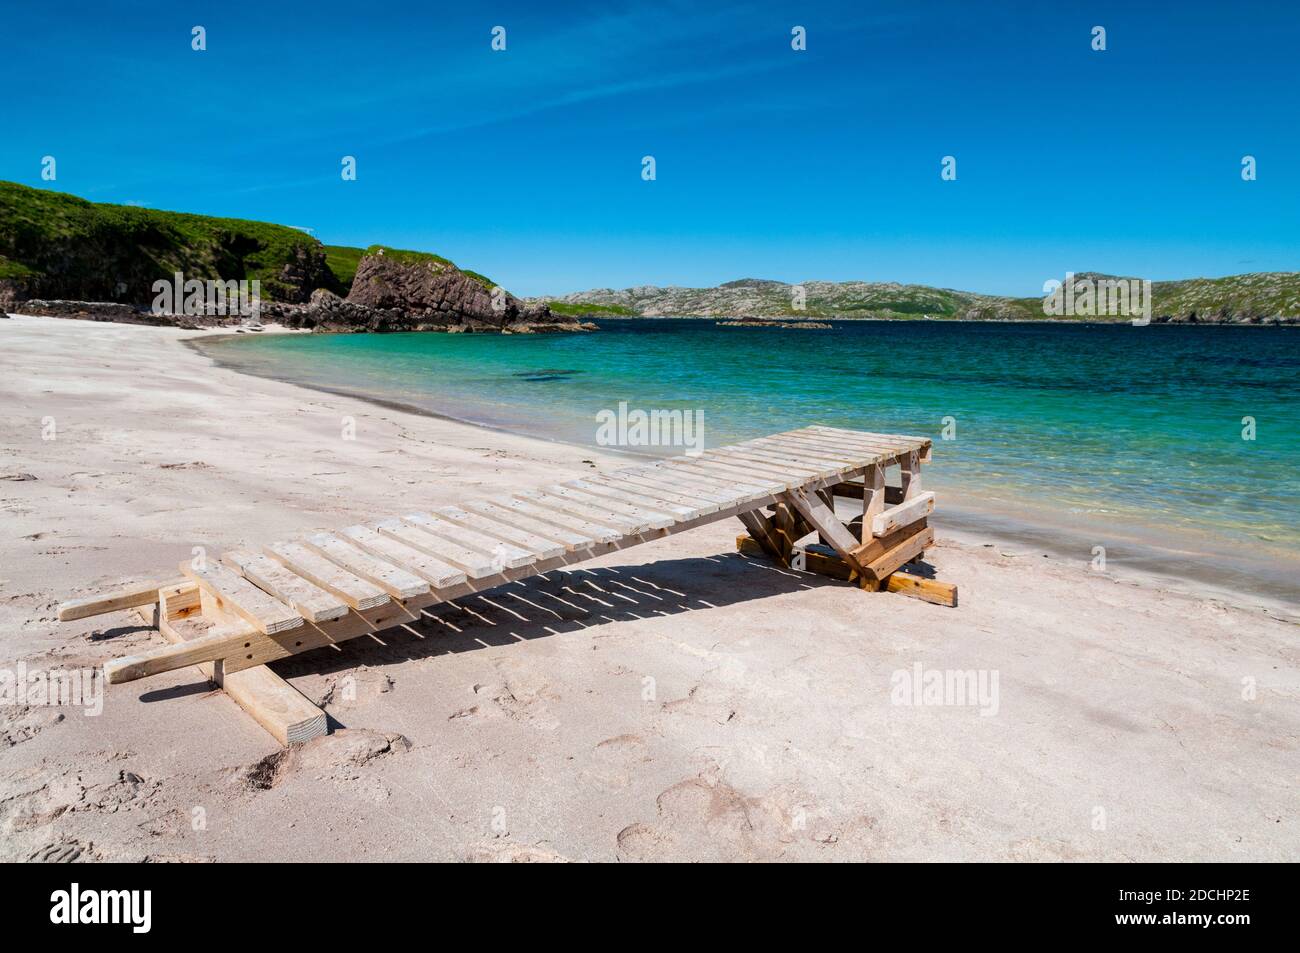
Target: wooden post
[873,498]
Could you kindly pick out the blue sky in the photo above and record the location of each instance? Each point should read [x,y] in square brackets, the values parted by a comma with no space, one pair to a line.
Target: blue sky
[526,164]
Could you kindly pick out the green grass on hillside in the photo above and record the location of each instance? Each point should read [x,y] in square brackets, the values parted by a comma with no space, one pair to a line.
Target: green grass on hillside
[87,249]
[578,310]
[343,261]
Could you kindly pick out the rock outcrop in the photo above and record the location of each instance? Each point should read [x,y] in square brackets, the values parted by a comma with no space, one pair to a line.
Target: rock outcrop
[408,291]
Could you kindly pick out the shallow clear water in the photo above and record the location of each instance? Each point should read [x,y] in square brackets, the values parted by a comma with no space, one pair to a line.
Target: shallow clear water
[1128,426]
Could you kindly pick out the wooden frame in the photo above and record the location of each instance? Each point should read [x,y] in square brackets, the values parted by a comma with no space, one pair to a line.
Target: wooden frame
[234,616]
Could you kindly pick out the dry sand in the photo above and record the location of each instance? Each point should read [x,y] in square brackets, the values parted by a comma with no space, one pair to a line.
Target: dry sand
[686,703]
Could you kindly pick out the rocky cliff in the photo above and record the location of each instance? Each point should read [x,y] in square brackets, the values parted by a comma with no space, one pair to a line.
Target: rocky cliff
[398,290]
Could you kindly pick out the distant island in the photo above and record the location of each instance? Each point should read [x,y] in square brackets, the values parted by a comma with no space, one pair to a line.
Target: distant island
[1264,298]
[64,256]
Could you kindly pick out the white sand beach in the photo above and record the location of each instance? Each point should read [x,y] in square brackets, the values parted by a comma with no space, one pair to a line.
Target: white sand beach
[696,704]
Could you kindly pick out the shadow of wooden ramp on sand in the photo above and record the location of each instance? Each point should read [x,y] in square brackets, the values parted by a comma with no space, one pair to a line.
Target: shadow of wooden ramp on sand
[233,616]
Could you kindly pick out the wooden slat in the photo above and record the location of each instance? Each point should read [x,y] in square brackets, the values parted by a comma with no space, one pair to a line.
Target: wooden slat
[394,580]
[570,539]
[728,482]
[417,552]
[333,578]
[875,449]
[535,546]
[791,472]
[624,492]
[600,532]
[792,445]
[783,451]
[866,434]
[696,505]
[128,597]
[651,518]
[905,552]
[261,610]
[308,600]
[574,503]
[654,480]
[905,514]
[743,476]
[503,555]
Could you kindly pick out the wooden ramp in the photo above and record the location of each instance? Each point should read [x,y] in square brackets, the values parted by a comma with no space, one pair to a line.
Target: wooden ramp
[233,616]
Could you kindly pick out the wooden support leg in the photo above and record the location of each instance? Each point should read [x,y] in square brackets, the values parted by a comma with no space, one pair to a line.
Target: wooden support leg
[873,498]
[911,467]
[275,704]
[823,519]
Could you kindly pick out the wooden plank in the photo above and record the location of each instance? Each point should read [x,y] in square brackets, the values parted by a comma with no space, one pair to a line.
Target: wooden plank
[600,532]
[832,456]
[854,491]
[653,479]
[276,705]
[537,547]
[590,508]
[570,539]
[857,444]
[746,477]
[663,501]
[918,587]
[823,520]
[774,467]
[652,518]
[394,580]
[906,584]
[272,702]
[910,464]
[822,462]
[127,597]
[874,498]
[502,555]
[741,483]
[905,514]
[903,553]
[333,578]
[761,531]
[307,599]
[264,612]
[428,557]
[866,434]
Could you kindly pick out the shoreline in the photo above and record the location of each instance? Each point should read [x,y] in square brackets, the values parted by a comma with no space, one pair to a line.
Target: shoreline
[768,730]
[1161,560]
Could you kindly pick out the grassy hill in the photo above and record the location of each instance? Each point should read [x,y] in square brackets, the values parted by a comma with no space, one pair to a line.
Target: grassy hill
[61,246]
[54,245]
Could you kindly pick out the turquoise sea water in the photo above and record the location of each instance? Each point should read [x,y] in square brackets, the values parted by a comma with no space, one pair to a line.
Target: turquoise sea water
[1123,426]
